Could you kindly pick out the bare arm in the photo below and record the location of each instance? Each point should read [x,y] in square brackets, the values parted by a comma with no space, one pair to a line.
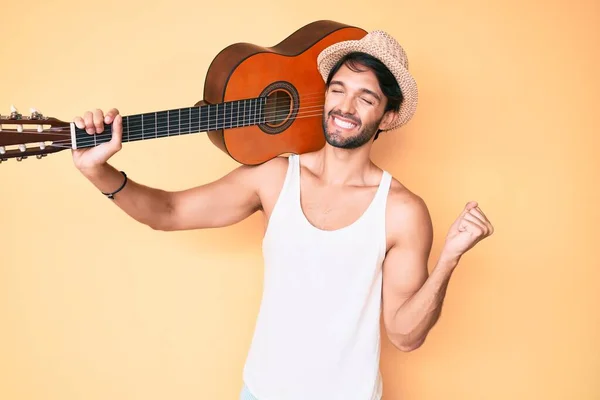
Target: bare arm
[412,299]
[220,203]
[223,202]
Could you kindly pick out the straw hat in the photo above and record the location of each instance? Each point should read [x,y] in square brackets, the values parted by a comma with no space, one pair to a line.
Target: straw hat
[384,47]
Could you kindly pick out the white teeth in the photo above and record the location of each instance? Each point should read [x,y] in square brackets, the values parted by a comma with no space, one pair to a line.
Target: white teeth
[343,124]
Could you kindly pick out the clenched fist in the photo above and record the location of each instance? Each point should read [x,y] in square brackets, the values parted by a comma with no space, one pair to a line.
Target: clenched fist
[470,227]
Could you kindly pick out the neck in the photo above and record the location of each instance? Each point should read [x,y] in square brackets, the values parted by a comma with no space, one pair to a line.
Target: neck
[337,166]
[180,121]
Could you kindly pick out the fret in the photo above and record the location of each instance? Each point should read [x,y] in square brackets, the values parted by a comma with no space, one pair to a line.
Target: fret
[195,119]
[234,114]
[214,116]
[135,128]
[149,126]
[257,111]
[203,119]
[162,123]
[184,121]
[260,112]
[211,118]
[173,118]
[257,116]
[226,117]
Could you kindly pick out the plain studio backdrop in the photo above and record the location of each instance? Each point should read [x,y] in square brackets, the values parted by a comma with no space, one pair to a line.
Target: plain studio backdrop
[94,305]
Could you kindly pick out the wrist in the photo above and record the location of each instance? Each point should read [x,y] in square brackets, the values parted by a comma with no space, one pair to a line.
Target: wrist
[448,260]
[95,171]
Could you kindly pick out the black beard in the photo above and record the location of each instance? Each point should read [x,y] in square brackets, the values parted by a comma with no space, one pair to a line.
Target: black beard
[364,135]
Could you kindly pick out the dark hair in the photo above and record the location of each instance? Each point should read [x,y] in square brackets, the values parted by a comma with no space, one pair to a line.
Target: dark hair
[387,82]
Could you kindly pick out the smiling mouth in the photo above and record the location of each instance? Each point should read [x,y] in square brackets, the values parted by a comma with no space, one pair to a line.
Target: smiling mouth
[342,123]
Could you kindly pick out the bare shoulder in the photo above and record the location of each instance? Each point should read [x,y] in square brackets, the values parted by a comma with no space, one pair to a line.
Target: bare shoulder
[275,167]
[269,178]
[408,221]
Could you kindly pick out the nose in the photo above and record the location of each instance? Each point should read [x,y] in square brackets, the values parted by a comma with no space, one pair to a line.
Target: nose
[346,105]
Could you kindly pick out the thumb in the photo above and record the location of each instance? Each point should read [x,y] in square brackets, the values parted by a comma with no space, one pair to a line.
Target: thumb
[468,207]
[117,132]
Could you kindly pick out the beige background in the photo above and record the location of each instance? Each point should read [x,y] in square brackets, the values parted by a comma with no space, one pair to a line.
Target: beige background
[96,306]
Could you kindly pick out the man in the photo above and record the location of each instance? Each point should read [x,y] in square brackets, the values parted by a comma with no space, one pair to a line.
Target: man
[344,241]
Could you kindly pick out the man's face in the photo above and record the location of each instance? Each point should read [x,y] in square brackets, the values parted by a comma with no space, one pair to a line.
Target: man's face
[354,108]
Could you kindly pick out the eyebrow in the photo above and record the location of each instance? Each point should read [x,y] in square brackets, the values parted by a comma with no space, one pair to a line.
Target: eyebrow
[364,90]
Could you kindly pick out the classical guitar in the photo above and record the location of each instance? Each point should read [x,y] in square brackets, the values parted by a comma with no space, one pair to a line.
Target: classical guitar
[259,102]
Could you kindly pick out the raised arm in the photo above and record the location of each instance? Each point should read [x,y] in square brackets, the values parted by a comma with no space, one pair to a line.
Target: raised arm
[413,298]
[223,202]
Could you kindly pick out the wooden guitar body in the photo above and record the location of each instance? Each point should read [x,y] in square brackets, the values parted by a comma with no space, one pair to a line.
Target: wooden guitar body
[288,73]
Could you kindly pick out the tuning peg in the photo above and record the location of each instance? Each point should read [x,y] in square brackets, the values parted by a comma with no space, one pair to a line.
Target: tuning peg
[14,113]
[35,114]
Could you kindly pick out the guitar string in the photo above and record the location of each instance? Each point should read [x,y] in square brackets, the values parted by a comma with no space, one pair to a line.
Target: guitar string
[139,133]
[90,140]
[276,110]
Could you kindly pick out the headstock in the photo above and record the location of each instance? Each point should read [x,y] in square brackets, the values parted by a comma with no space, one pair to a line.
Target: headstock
[32,135]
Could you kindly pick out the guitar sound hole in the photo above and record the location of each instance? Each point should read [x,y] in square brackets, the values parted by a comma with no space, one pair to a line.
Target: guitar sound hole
[278,108]
[281,107]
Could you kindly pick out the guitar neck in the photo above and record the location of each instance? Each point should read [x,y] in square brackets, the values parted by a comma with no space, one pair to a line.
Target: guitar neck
[179,121]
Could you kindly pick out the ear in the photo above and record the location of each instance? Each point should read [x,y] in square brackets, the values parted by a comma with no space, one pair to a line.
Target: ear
[387,120]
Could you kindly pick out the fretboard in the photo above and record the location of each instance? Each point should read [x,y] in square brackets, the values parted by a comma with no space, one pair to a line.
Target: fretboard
[181,121]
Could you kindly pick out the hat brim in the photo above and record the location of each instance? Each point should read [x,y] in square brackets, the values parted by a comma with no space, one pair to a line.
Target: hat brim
[408,86]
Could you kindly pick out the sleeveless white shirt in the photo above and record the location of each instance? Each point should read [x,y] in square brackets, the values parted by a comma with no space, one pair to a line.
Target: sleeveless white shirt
[317,334]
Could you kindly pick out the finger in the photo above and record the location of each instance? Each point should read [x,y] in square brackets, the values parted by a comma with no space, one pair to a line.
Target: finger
[98,120]
[79,122]
[478,213]
[110,115]
[88,119]
[474,212]
[481,212]
[471,227]
[468,207]
[465,210]
[474,220]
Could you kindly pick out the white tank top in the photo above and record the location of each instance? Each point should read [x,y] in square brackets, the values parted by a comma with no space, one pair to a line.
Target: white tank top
[317,334]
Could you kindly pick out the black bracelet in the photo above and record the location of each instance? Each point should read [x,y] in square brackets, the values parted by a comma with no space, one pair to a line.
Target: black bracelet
[112,195]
